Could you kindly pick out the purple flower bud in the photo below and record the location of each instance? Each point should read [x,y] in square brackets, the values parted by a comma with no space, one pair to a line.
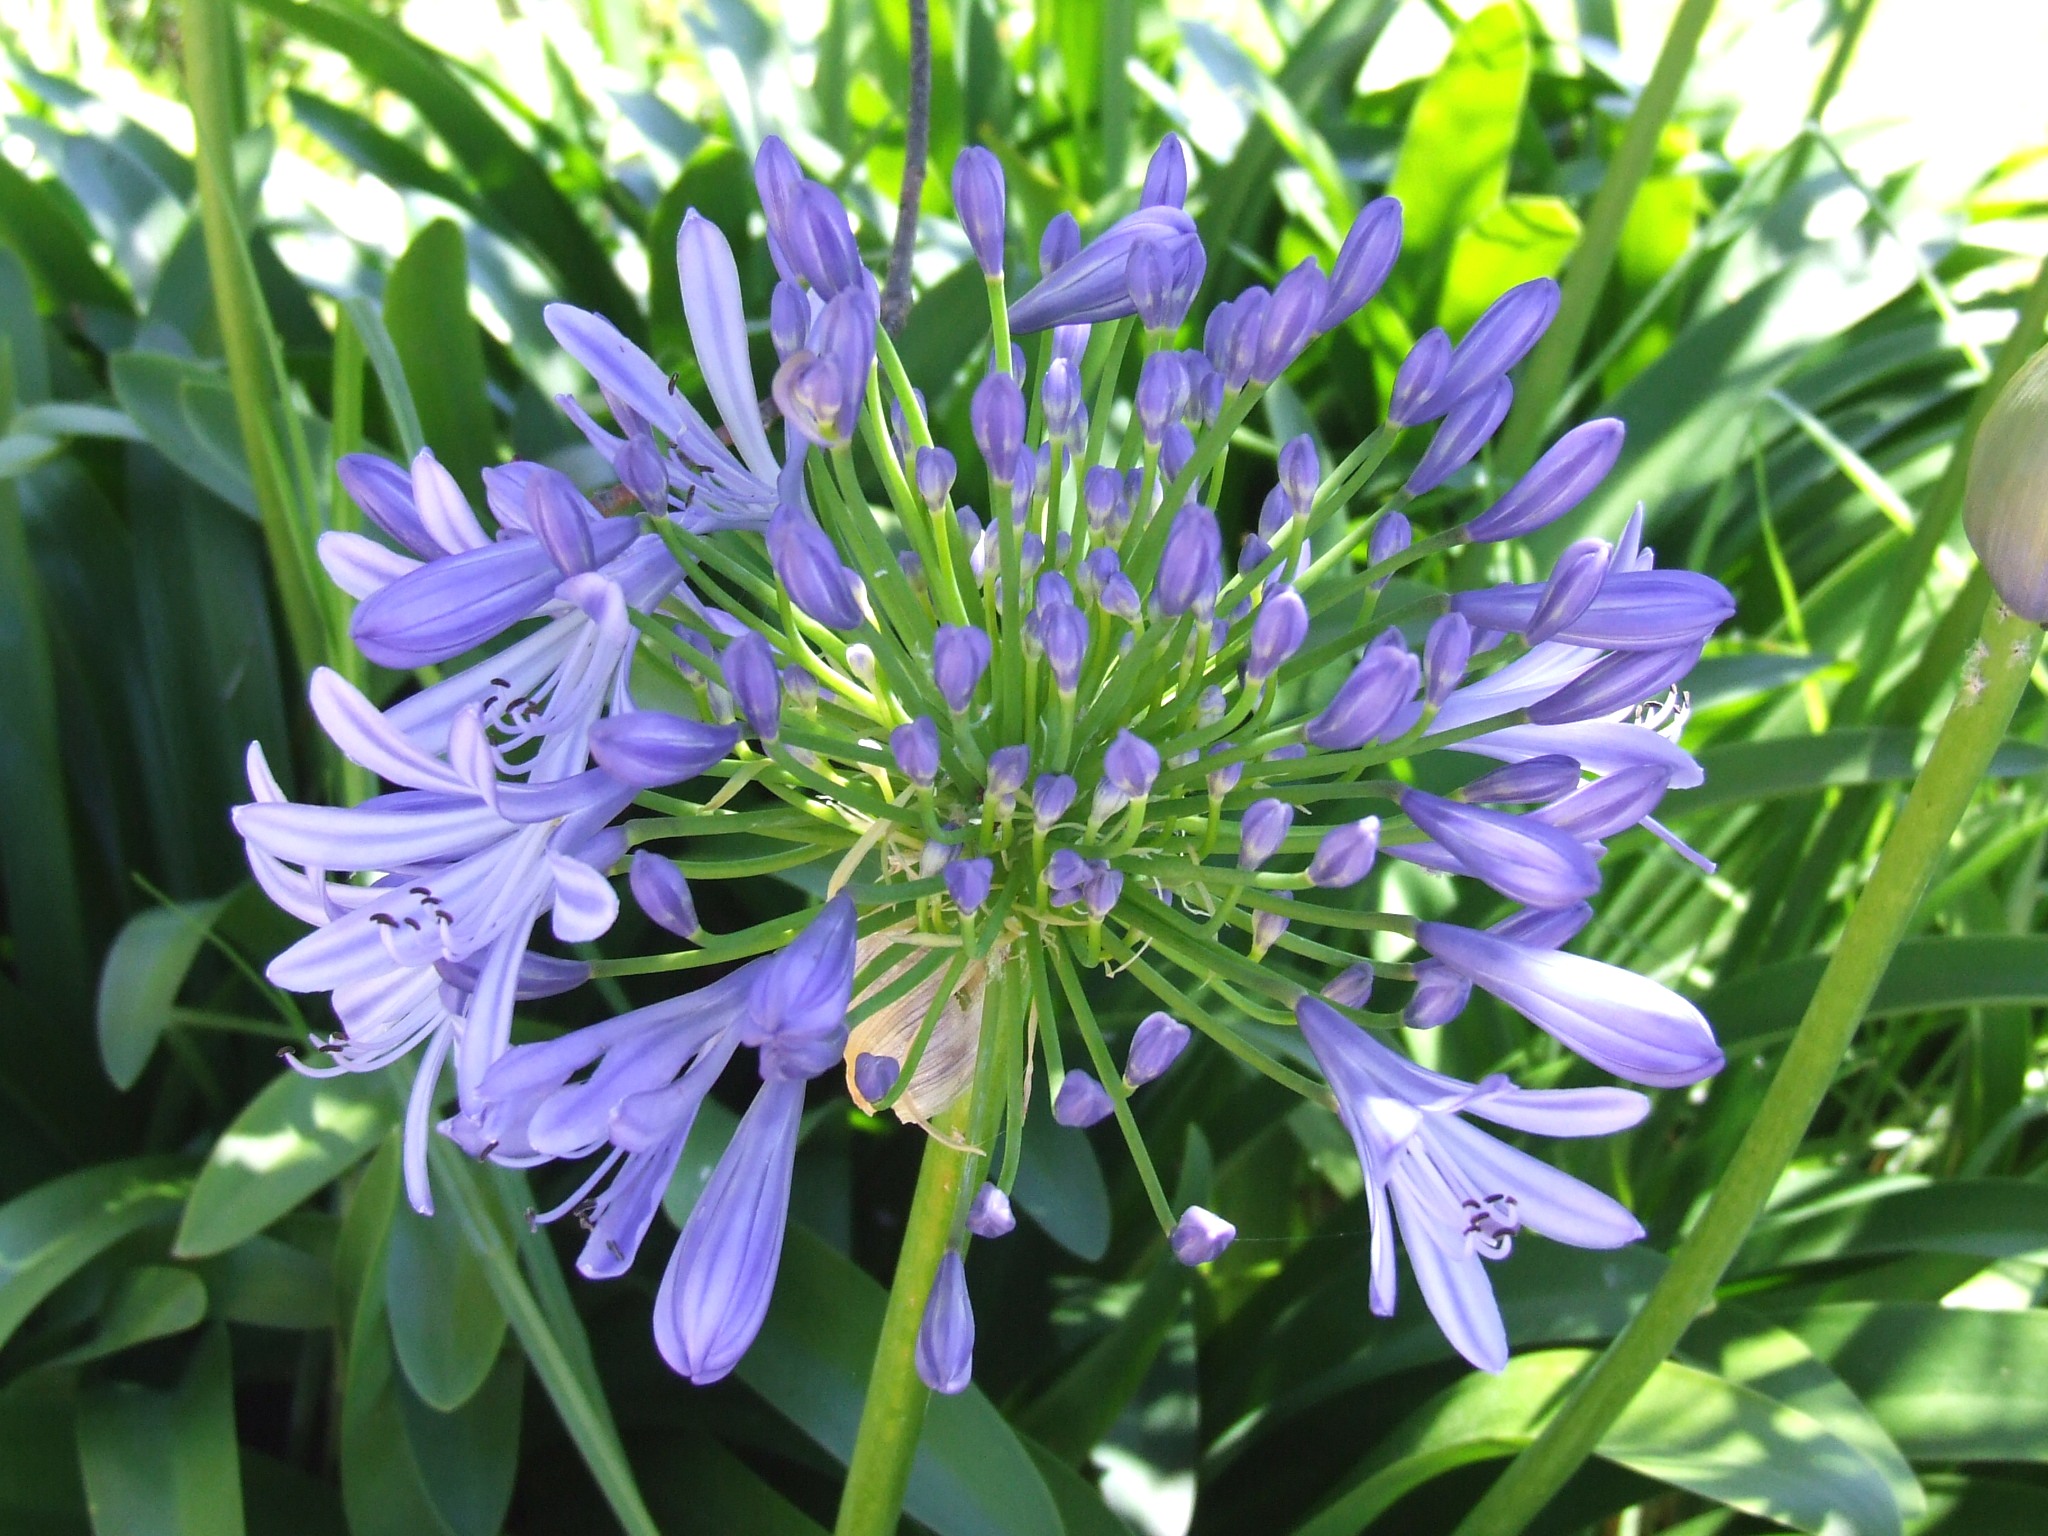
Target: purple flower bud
[1440,996]
[1446,652]
[648,749]
[1575,580]
[1367,256]
[945,1339]
[1259,833]
[756,686]
[1155,1046]
[1119,598]
[1615,682]
[860,661]
[1532,779]
[1162,391]
[1275,513]
[1367,701]
[1101,891]
[1030,550]
[916,749]
[1291,321]
[1059,395]
[1241,351]
[1152,289]
[1095,285]
[1062,630]
[1345,855]
[809,569]
[1200,1236]
[967,882]
[789,319]
[1253,553]
[1391,536]
[1609,805]
[1066,869]
[979,199]
[1277,633]
[1293,752]
[1176,449]
[663,894]
[1102,494]
[820,244]
[997,417]
[1081,1102]
[800,690]
[1301,473]
[960,656]
[1060,244]
[384,493]
[1224,779]
[1501,337]
[1353,989]
[796,1011]
[1541,929]
[1644,610]
[1191,565]
[641,471]
[1131,765]
[1466,429]
[1051,798]
[1211,705]
[936,471]
[777,176]
[874,1076]
[1166,178]
[1518,856]
[990,1214]
[559,516]
[1621,1022]
[1206,403]
[1007,767]
[1415,398]
[1268,926]
[1556,483]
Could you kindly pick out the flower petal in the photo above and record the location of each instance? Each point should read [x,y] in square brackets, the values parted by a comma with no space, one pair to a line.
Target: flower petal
[718,333]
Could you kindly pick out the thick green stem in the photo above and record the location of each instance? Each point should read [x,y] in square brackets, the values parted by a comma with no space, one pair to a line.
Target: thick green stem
[1992,685]
[1550,365]
[892,1416]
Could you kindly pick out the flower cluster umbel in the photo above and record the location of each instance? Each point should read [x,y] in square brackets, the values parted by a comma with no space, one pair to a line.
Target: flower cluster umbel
[1068,732]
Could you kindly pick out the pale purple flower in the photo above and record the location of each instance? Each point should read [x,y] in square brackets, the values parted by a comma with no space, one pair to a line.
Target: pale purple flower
[1416,398]
[1467,427]
[874,1076]
[968,881]
[1093,284]
[980,201]
[1155,1046]
[1368,700]
[945,1338]
[1278,631]
[755,683]
[808,567]
[1556,483]
[916,749]
[650,749]
[1191,565]
[990,1215]
[1131,765]
[960,655]
[660,891]
[1501,337]
[1166,177]
[1081,1102]
[1346,854]
[1200,1236]
[1370,249]
[1051,798]
[1520,857]
[1261,830]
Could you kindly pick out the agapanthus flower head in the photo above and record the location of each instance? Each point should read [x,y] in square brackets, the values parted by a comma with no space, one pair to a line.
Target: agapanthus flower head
[1073,751]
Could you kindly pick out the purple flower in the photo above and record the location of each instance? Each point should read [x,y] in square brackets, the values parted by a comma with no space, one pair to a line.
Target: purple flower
[1093,285]
[1459,1195]
[874,1076]
[1621,1022]
[819,388]
[650,749]
[1060,243]
[1609,805]
[1293,319]
[916,749]
[1501,337]
[1391,536]
[960,656]
[1556,483]
[1081,1102]
[1155,1046]
[1518,856]
[1200,1236]
[1346,854]
[1446,652]
[1353,988]
[1301,473]
[979,199]
[968,881]
[755,683]
[1131,765]
[1616,682]
[1223,780]
[1007,767]
[1269,925]
[990,1214]
[1162,391]
[936,471]
[1062,630]
[1368,700]
[945,1338]
[660,891]
[1465,431]
[1261,830]
[1101,891]
[1363,262]
[1191,565]
[1440,996]
[1634,610]
[1059,394]
[1166,177]
[1416,395]
[1575,580]
[1051,798]
[997,417]
[809,569]
[1278,631]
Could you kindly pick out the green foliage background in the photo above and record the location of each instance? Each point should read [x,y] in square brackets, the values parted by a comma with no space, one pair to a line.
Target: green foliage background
[216,1314]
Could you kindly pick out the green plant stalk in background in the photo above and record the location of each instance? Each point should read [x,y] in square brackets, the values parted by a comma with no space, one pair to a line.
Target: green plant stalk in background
[1991,689]
[1543,380]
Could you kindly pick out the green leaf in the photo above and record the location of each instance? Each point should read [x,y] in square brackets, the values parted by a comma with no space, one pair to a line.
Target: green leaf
[972,1476]
[1517,239]
[78,418]
[140,980]
[1076,1411]
[271,1284]
[1983,1218]
[717,182]
[469,1458]
[165,1463]
[705,1487]
[54,247]
[1453,168]
[1687,1427]
[152,1302]
[154,389]
[446,1325]
[52,1232]
[1059,1186]
[372,149]
[1082,1510]
[1947,1383]
[426,309]
[291,1140]
[1742,771]
[1943,972]
[383,356]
